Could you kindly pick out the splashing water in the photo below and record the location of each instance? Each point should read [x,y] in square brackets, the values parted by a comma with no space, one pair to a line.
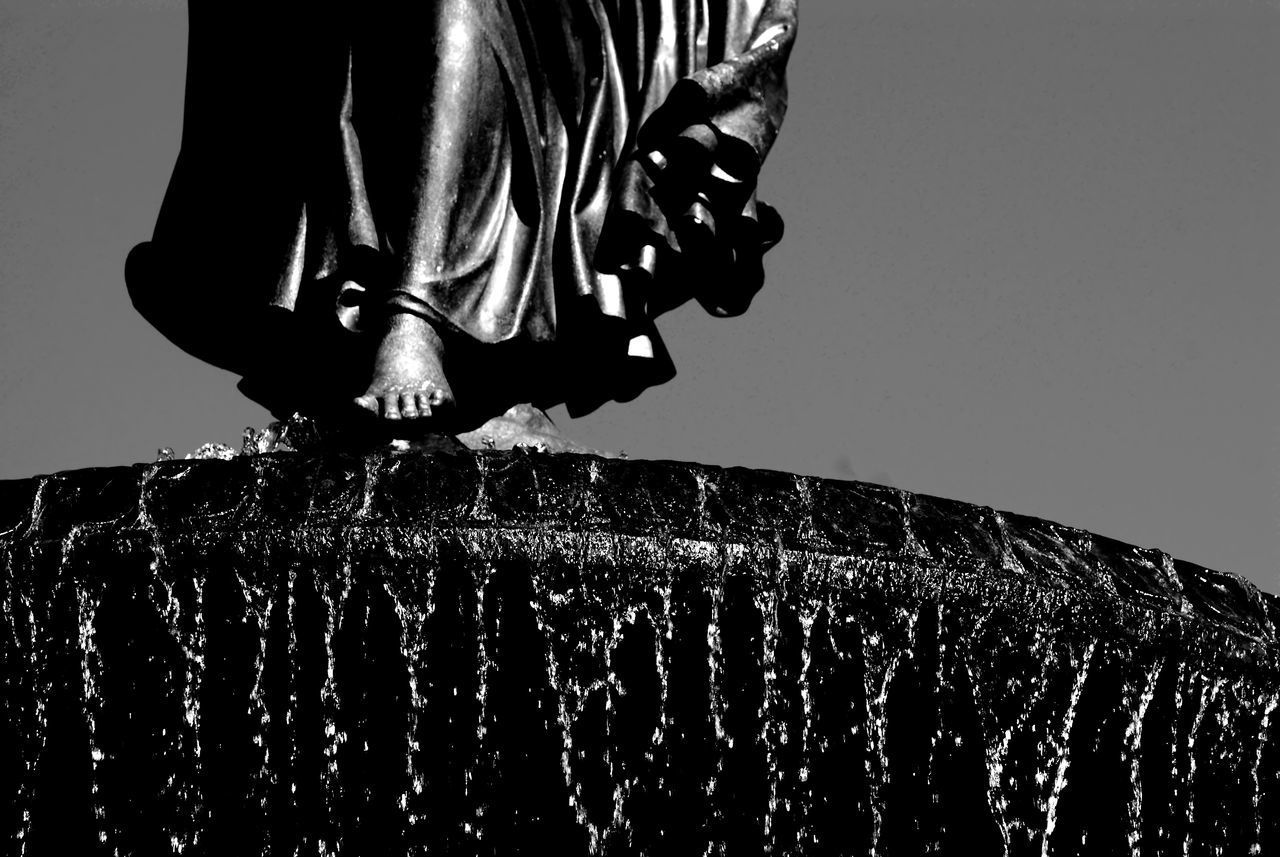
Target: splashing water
[489,652]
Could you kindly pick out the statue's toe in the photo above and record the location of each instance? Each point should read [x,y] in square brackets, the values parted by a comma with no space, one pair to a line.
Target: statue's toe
[409,406]
[368,403]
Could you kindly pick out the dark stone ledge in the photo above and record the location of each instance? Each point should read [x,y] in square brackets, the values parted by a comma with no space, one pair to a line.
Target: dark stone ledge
[519,652]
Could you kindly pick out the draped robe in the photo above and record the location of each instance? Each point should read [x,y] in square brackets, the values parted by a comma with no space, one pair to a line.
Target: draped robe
[601,158]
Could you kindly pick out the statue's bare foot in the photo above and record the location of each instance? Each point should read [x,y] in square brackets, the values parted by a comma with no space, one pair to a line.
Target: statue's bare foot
[408,373]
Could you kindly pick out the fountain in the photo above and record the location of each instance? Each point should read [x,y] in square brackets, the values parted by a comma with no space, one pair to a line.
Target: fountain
[517,652]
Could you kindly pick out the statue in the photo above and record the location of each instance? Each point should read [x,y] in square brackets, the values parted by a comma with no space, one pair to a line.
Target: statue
[431,211]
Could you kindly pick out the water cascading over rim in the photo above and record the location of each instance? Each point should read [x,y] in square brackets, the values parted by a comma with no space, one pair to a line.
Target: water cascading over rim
[506,653]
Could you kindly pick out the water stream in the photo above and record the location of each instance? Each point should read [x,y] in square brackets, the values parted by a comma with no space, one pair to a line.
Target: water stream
[556,654]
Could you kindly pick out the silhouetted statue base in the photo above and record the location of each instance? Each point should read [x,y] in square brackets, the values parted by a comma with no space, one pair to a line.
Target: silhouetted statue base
[520,427]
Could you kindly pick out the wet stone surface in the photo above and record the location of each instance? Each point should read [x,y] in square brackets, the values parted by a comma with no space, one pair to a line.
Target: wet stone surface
[504,653]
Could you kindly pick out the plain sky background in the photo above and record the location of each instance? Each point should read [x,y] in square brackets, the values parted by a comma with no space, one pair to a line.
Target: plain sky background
[1031,263]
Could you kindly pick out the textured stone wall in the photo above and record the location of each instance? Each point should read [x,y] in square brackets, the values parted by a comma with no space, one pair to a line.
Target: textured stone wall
[522,653]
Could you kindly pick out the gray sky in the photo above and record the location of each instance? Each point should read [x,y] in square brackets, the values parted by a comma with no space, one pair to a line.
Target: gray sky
[1031,263]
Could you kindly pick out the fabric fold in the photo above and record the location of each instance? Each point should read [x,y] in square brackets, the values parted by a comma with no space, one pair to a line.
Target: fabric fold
[597,168]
